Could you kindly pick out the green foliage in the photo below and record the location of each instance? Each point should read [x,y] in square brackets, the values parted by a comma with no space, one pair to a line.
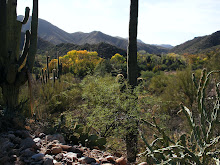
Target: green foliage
[76,133]
[199,147]
[104,67]
[106,106]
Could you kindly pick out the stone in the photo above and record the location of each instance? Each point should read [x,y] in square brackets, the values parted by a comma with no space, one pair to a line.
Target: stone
[38,157]
[41,135]
[27,152]
[66,147]
[59,157]
[110,158]
[37,140]
[13,158]
[11,136]
[6,146]
[48,160]
[121,161]
[16,140]
[86,160]
[58,163]
[28,143]
[72,156]
[58,137]
[143,163]
[4,160]
[56,150]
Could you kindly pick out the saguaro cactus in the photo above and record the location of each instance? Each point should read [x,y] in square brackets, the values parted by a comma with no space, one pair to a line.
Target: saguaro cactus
[14,67]
[132,72]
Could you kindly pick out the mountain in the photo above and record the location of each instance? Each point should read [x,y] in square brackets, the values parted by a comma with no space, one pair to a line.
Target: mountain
[97,37]
[48,31]
[199,44]
[55,35]
[42,45]
[165,46]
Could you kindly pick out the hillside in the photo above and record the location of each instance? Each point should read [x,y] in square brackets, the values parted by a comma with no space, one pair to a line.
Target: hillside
[42,45]
[199,44]
[104,50]
[97,37]
[55,35]
[49,32]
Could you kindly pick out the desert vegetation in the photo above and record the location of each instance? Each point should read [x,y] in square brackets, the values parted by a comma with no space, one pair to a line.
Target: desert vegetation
[154,108]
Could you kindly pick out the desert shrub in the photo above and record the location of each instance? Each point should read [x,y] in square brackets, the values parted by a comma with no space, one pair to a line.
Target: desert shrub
[159,83]
[102,68]
[107,107]
[54,99]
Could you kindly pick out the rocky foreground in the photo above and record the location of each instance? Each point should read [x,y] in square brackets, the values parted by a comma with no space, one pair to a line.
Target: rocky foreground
[21,148]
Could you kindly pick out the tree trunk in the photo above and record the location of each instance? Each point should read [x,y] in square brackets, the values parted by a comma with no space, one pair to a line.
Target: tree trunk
[10,95]
[132,72]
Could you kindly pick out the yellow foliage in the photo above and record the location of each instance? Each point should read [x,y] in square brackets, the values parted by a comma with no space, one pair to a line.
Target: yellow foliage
[117,58]
[80,62]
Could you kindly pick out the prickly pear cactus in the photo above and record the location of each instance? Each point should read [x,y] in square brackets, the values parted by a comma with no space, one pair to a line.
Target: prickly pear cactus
[14,67]
[201,146]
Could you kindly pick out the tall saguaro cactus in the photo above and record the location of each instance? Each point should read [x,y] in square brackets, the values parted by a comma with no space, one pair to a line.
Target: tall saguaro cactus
[14,67]
[132,72]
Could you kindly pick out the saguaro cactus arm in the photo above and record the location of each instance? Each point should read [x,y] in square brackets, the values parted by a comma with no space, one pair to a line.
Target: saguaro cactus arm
[26,17]
[33,37]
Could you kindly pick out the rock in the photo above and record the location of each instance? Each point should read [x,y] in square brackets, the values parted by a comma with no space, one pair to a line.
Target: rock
[37,140]
[41,135]
[58,137]
[4,160]
[7,145]
[16,140]
[59,157]
[121,161]
[48,160]
[143,163]
[13,158]
[110,158]
[28,152]
[72,156]
[66,147]
[22,134]
[38,157]
[28,143]
[56,150]
[58,163]
[11,137]
[86,160]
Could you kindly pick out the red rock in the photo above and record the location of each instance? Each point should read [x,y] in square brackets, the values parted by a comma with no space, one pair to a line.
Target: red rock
[121,161]
[110,158]
[66,147]
[56,150]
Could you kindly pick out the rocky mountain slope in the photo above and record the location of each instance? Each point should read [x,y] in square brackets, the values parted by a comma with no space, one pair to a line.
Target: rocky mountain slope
[199,44]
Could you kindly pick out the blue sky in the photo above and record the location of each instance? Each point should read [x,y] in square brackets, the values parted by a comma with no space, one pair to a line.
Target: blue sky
[160,21]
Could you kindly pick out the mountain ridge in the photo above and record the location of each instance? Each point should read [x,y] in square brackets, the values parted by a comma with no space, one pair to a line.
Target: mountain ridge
[200,44]
[55,35]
